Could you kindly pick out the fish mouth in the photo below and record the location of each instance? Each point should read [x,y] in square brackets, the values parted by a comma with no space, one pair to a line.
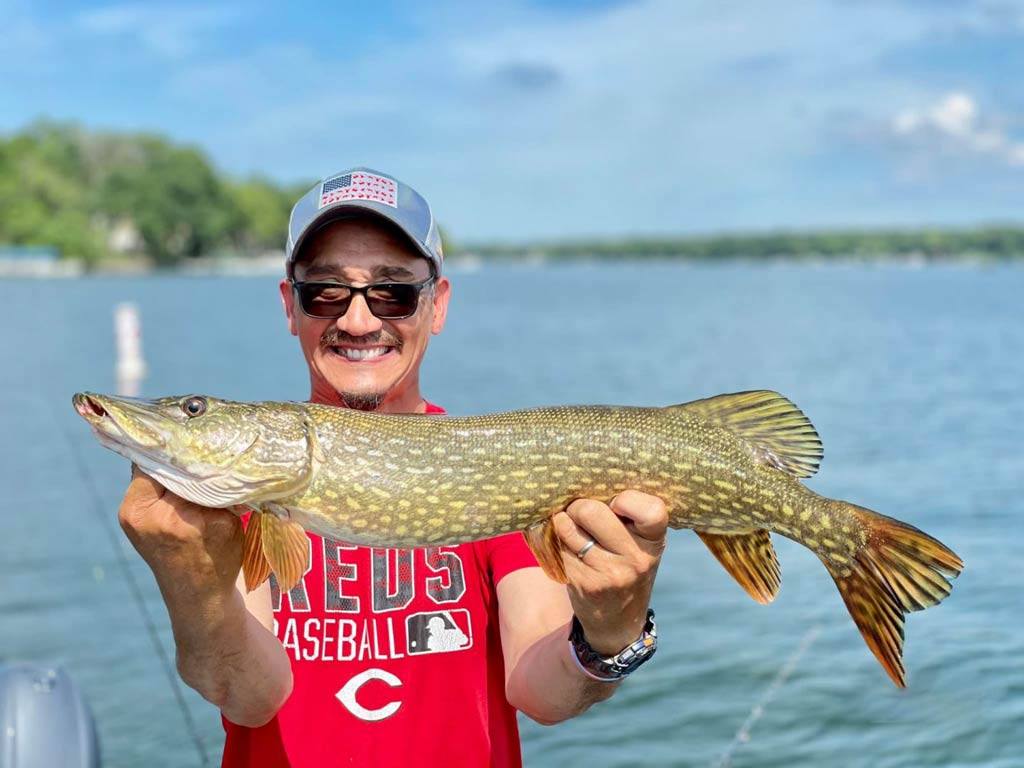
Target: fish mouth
[88,407]
[123,421]
[146,432]
[136,430]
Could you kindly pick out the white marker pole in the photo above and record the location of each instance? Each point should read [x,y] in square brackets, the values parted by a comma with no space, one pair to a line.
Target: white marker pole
[131,368]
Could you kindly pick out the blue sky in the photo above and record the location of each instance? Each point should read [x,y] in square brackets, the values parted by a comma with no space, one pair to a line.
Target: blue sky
[543,119]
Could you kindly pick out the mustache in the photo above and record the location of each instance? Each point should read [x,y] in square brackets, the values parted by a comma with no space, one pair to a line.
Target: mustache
[333,337]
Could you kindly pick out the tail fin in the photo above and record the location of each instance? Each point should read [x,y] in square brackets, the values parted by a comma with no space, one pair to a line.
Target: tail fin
[901,569]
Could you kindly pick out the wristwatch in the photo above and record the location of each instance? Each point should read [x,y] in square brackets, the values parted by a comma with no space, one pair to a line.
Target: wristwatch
[610,669]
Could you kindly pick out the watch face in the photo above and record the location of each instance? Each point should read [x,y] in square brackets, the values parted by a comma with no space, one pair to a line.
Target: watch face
[611,668]
[636,654]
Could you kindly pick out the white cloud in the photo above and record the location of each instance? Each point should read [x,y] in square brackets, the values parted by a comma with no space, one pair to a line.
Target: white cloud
[520,121]
[954,124]
[169,31]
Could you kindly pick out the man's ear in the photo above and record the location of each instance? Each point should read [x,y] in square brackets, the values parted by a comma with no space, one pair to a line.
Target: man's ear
[442,292]
[288,300]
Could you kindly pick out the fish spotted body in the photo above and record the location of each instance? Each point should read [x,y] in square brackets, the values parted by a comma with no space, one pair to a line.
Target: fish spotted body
[727,467]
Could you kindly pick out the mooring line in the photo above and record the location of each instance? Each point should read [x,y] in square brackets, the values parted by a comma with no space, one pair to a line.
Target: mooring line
[743,734]
[88,482]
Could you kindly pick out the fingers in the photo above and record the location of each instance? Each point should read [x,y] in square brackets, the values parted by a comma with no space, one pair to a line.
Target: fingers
[610,585]
[632,520]
[572,536]
[596,559]
[148,506]
[599,522]
[647,514]
[143,489]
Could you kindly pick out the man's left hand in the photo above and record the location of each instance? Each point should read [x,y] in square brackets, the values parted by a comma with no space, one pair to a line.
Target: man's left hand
[610,586]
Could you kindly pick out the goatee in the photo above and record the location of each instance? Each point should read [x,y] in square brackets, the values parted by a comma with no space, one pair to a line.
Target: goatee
[362,401]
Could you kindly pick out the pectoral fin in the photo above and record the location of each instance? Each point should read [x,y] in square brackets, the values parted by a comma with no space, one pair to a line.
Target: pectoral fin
[277,545]
[547,548]
[254,563]
[750,559]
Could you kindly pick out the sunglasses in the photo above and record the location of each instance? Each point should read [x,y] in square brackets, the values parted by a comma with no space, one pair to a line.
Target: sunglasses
[386,301]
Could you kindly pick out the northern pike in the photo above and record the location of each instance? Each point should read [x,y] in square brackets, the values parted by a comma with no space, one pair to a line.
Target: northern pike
[728,467]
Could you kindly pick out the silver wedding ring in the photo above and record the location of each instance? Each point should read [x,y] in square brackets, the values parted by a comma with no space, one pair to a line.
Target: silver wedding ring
[584,549]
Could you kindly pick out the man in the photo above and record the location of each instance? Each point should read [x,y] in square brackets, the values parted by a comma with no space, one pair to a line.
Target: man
[391,657]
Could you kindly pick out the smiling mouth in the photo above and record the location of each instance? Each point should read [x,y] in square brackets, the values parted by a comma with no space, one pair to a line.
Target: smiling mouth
[362,354]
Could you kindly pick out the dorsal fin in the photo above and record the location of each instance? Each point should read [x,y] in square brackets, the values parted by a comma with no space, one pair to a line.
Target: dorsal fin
[777,431]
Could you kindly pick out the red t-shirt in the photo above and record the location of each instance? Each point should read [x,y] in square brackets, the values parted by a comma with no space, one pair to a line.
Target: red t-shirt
[396,659]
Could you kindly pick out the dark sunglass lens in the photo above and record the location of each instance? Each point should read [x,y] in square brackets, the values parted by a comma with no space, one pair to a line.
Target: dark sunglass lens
[393,300]
[324,300]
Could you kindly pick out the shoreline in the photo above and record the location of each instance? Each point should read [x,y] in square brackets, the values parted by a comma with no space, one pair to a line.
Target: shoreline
[64,269]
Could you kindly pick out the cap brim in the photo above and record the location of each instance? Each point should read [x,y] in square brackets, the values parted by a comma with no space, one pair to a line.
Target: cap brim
[338,212]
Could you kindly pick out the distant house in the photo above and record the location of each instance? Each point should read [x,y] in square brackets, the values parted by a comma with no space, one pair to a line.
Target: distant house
[36,261]
[124,238]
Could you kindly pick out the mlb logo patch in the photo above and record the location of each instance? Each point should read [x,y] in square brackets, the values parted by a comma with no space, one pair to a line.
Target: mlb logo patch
[359,185]
[438,631]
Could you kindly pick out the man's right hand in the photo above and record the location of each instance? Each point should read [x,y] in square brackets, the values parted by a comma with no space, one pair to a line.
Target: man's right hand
[225,644]
[186,545]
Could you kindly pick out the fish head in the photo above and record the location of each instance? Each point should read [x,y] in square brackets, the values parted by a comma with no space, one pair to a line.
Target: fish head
[216,453]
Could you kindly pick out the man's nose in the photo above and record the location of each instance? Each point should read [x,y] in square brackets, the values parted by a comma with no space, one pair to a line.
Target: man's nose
[359,320]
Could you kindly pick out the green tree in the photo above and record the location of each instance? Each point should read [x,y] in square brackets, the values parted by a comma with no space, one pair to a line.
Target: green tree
[262,214]
[174,199]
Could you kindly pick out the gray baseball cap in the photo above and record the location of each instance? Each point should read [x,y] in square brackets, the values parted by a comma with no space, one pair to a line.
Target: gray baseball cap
[363,189]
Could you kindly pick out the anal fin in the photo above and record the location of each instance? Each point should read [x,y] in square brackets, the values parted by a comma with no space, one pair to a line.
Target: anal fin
[254,564]
[750,559]
[286,549]
[547,548]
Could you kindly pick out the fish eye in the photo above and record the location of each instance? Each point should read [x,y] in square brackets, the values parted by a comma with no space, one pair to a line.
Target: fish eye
[194,406]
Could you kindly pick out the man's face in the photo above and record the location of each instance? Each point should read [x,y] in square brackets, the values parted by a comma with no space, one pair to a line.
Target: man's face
[359,360]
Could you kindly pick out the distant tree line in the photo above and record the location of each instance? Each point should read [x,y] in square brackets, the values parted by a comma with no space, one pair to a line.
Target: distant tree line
[988,242]
[93,195]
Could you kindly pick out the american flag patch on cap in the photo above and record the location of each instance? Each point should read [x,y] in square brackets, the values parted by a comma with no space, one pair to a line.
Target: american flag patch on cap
[359,185]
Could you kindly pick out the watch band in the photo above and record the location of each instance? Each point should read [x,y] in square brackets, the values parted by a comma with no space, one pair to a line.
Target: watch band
[610,669]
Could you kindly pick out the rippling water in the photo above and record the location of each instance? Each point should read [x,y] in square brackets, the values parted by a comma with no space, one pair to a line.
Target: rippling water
[912,377]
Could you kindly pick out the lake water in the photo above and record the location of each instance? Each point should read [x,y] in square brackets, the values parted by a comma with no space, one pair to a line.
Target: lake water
[913,378]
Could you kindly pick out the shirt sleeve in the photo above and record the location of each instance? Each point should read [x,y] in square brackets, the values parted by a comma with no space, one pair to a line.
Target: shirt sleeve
[508,553]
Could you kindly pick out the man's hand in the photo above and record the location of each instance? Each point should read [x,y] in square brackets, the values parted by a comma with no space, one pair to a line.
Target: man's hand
[609,590]
[610,586]
[188,547]
[225,646]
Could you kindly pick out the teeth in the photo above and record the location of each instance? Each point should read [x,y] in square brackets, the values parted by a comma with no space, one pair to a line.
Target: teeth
[361,354]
